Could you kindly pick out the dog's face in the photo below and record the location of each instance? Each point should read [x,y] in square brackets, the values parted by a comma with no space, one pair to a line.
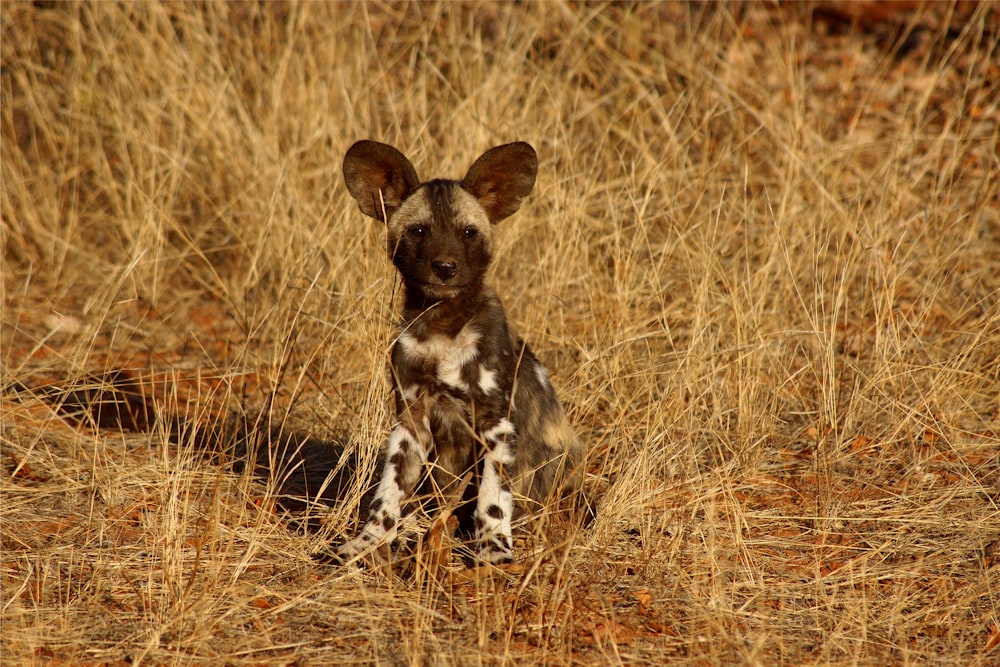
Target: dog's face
[439,233]
[440,240]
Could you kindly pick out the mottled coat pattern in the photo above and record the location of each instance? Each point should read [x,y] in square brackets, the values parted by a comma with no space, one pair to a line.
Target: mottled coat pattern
[469,393]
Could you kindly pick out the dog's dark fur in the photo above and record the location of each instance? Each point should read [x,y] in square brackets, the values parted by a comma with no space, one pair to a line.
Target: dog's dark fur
[469,393]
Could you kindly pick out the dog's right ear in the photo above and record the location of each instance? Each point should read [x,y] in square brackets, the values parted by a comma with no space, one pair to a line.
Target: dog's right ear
[379,177]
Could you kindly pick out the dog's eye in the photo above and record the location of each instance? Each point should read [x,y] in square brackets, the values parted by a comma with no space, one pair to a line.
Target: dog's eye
[416,231]
[470,232]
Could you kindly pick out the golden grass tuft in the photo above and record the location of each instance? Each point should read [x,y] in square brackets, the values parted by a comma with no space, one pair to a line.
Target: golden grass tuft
[761,263]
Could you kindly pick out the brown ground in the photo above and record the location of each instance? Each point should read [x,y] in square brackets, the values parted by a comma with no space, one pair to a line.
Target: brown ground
[761,264]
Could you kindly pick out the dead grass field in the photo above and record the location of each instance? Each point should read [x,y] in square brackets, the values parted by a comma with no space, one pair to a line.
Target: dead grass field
[762,264]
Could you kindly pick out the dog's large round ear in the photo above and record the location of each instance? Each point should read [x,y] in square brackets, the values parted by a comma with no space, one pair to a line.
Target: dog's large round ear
[502,177]
[379,177]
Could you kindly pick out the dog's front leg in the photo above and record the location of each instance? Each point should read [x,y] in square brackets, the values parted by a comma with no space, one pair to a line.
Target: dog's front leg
[495,504]
[405,456]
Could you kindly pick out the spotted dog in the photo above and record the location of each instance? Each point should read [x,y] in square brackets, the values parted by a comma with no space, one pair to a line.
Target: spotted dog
[469,393]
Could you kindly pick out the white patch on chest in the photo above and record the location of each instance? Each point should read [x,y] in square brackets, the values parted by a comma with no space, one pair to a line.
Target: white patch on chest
[448,355]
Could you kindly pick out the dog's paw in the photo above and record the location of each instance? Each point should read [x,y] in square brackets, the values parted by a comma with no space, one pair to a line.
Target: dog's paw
[334,554]
[496,550]
[362,550]
[329,555]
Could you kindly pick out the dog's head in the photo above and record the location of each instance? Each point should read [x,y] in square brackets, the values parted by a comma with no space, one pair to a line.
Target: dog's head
[439,232]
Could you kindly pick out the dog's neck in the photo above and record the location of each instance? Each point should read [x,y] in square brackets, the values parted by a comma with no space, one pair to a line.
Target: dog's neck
[424,316]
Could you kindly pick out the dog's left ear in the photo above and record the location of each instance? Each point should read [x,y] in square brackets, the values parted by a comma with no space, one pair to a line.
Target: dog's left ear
[502,177]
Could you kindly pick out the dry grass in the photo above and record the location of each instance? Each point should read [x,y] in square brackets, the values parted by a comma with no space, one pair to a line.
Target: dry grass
[761,263]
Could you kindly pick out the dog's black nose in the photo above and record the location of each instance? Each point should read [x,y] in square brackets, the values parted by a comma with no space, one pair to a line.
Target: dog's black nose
[444,269]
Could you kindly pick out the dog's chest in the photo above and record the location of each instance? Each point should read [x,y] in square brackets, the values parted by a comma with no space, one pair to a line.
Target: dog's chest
[454,362]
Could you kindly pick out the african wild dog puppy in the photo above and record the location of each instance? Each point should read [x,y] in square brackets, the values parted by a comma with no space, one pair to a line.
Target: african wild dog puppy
[469,393]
